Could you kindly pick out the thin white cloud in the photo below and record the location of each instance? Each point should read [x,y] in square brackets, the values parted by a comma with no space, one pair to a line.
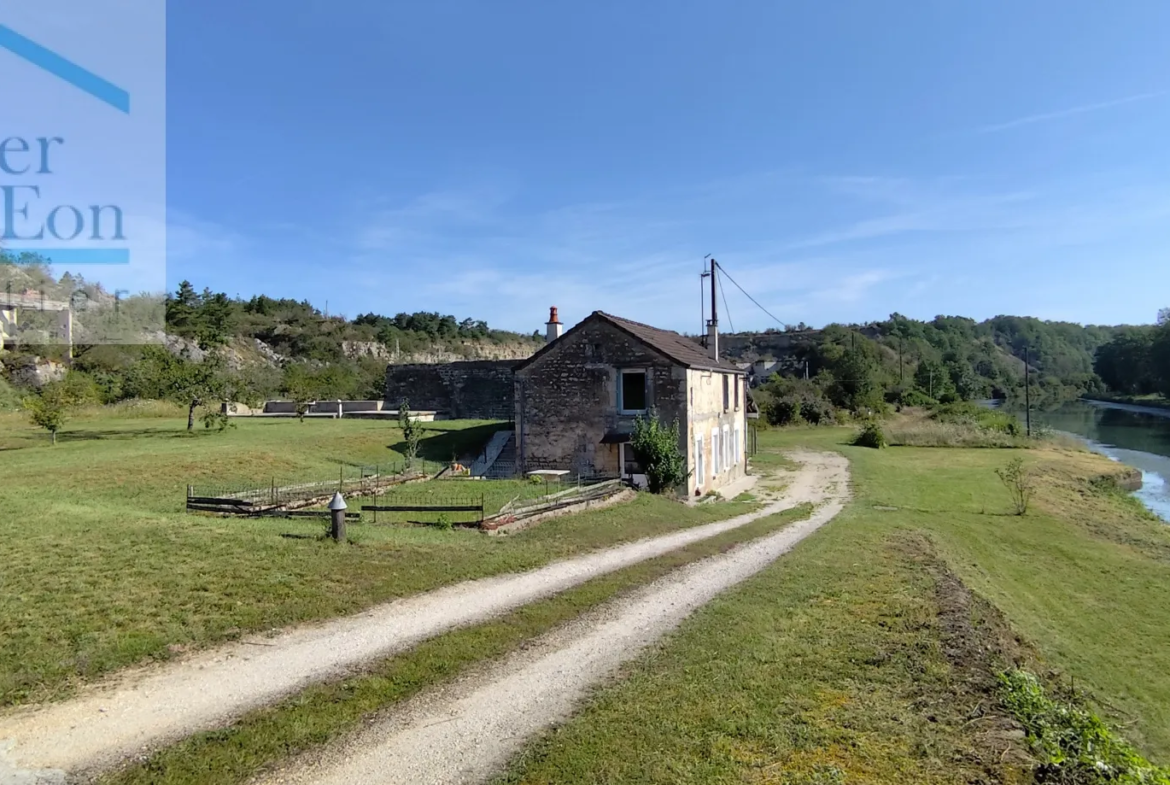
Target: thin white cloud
[1084,109]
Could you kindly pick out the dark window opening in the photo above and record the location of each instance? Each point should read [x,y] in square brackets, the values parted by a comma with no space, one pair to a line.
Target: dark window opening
[726,393]
[633,391]
[630,465]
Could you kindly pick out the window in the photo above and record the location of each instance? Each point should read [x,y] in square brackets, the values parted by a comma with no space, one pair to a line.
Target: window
[630,465]
[632,392]
[700,467]
[726,444]
[736,456]
[714,453]
[726,393]
[737,393]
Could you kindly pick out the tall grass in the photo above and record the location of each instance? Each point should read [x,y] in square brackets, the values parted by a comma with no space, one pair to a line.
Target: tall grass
[931,433]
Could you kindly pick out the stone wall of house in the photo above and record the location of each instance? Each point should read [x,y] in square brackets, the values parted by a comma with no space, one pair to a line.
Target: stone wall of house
[567,400]
[707,413]
[473,390]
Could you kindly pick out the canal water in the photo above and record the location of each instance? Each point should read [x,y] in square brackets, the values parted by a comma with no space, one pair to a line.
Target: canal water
[1127,434]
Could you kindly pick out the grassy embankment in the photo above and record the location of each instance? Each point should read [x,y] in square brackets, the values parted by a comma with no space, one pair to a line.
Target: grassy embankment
[863,657]
[1153,400]
[102,568]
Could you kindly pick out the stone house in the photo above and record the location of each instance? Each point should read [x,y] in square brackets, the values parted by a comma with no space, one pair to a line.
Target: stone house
[576,400]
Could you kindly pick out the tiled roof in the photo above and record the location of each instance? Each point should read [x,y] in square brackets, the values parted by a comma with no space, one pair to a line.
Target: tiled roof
[677,347]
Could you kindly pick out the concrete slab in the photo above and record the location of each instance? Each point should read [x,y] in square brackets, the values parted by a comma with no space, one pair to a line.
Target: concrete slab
[742,485]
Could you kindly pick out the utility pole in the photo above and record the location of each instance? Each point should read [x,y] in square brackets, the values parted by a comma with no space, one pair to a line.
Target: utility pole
[713,332]
[901,370]
[1027,394]
[702,309]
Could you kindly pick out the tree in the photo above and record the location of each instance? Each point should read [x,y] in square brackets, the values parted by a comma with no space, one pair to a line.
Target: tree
[214,321]
[411,431]
[858,387]
[160,375]
[933,378]
[1124,363]
[198,384]
[656,446]
[50,407]
[182,310]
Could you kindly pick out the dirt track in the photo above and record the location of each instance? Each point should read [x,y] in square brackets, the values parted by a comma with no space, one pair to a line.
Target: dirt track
[467,730]
[144,709]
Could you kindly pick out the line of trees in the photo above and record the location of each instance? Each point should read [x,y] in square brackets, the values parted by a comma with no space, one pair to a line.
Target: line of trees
[1136,361]
[905,362]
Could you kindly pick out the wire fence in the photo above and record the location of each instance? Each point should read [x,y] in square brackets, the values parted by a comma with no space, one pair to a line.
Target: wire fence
[367,480]
[418,492]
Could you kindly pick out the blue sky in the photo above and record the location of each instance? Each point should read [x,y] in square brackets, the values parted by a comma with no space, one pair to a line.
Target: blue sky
[842,160]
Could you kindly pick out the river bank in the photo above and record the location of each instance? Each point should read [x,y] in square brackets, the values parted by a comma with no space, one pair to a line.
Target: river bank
[1158,407]
[1134,435]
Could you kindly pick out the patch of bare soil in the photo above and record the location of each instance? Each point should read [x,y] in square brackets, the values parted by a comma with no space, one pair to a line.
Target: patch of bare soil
[979,644]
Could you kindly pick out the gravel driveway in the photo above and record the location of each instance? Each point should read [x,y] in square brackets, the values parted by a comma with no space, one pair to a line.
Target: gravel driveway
[144,709]
[467,730]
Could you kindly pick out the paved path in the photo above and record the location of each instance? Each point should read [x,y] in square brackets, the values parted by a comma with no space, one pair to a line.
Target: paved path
[144,709]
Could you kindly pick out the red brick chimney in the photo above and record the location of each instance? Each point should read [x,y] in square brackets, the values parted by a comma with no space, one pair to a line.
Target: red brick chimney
[552,328]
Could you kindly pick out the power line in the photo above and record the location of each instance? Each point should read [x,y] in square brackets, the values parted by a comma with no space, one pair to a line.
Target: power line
[753,299]
[726,310]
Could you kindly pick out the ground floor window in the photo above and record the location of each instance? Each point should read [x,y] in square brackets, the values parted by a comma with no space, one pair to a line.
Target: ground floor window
[700,468]
[715,453]
[629,461]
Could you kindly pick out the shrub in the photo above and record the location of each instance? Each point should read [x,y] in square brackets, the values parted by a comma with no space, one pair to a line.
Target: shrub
[1018,481]
[411,431]
[215,418]
[784,411]
[443,523]
[1073,744]
[871,436]
[916,397]
[656,447]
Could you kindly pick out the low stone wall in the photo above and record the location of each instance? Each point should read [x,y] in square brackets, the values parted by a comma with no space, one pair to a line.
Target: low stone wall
[472,390]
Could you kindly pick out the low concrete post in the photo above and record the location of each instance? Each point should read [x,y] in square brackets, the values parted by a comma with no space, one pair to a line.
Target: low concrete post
[337,508]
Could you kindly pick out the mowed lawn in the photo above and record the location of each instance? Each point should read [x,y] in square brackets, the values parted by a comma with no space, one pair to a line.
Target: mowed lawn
[855,659]
[101,567]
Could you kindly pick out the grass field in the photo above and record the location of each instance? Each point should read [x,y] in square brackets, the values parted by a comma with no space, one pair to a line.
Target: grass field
[860,657]
[102,568]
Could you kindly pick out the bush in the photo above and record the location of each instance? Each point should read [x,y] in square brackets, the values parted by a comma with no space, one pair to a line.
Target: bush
[656,447]
[215,418]
[1073,744]
[443,523]
[917,398]
[871,436]
[1018,481]
[784,411]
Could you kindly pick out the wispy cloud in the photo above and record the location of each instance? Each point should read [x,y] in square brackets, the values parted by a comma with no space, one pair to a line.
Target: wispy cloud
[1083,109]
